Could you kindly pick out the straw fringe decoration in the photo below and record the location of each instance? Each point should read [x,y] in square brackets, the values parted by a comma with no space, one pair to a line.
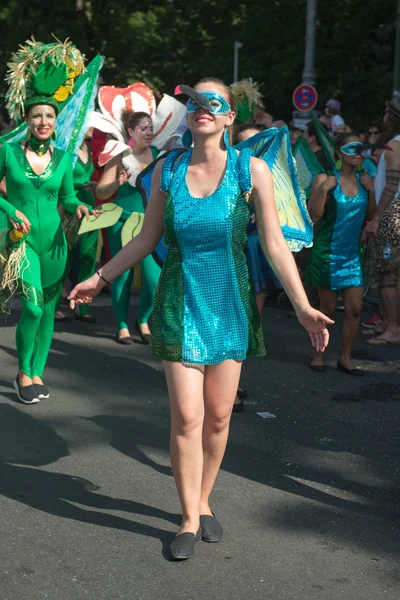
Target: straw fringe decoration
[14,263]
[23,63]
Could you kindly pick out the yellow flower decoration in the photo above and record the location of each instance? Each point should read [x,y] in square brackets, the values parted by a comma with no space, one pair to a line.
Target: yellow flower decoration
[15,236]
[61,94]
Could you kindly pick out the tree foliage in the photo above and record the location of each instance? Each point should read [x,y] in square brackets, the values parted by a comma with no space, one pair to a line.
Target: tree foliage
[167,42]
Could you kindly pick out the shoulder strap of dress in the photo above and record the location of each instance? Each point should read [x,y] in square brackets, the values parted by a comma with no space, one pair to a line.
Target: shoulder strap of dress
[245,179]
[168,169]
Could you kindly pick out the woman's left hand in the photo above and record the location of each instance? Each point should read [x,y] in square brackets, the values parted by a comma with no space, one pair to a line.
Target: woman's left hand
[83,210]
[367,182]
[316,324]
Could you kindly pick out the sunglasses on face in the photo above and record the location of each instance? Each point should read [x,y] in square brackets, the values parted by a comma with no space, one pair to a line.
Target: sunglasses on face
[374,132]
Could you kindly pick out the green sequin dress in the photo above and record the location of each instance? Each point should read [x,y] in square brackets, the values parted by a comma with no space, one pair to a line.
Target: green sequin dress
[205,310]
[37,197]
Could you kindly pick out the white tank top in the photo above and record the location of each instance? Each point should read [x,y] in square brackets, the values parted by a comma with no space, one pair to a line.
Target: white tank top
[380,180]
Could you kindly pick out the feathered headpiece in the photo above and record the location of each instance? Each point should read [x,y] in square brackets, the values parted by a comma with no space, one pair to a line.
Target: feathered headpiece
[247,94]
[42,74]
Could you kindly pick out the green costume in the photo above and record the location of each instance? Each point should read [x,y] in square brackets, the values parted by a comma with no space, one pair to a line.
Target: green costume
[37,197]
[88,241]
[131,201]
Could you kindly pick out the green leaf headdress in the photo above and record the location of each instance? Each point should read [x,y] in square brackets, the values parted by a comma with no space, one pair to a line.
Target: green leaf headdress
[247,96]
[42,74]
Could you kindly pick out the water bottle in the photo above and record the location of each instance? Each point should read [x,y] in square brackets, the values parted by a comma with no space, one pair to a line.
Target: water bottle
[387,252]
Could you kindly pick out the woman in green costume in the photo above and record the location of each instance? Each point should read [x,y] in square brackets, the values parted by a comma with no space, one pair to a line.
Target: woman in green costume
[83,171]
[38,177]
[117,177]
[342,201]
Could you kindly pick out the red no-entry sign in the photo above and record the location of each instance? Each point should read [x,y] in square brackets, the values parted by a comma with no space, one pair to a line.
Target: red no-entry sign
[305,97]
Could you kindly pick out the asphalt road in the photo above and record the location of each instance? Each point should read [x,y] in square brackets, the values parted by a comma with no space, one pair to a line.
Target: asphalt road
[309,498]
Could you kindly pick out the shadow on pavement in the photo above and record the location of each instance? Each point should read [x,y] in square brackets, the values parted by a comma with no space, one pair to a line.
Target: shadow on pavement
[29,443]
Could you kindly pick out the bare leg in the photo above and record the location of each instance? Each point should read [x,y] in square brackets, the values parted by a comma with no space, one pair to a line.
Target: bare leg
[260,299]
[220,384]
[327,305]
[353,301]
[390,298]
[185,388]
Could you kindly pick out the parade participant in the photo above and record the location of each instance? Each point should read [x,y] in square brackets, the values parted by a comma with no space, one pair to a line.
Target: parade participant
[139,128]
[343,202]
[261,273]
[201,333]
[38,177]
[387,270]
[135,147]
[83,250]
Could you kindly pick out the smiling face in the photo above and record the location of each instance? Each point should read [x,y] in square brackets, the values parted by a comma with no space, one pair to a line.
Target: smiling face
[204,123]
[143,133]
[41,121]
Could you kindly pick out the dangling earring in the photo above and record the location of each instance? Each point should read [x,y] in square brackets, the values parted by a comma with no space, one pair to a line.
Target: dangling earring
[28,134]
[131,142]
[187,139]
[339,164]
[227,140]
[54,135]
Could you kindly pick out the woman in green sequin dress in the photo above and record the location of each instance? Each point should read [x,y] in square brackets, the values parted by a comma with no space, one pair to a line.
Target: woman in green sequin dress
[38,177]
[203,207]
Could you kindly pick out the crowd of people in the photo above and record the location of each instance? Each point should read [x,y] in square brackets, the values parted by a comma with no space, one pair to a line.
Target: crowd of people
[210,198]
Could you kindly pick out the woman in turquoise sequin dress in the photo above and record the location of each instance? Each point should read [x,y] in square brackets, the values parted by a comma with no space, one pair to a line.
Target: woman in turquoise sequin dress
[342,202]
[205,316]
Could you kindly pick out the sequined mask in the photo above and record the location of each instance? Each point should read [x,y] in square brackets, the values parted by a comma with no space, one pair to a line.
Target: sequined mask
[351,149]
[218,104]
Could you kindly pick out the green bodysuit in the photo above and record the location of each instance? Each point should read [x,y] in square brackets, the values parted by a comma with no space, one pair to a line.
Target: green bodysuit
[131,201]
[37,197]
[88,241]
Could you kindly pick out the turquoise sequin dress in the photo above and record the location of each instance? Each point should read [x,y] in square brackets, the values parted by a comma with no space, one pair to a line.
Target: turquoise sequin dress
[205,310]
[337,256]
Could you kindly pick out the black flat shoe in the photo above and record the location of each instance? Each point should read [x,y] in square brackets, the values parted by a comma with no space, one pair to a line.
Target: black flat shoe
[354,372]
[145,337]
[125,341]
[238,407]
[85,318]
[42,391]
[317,368]
[182,546]
[27,394]
[211,528]
[242,394]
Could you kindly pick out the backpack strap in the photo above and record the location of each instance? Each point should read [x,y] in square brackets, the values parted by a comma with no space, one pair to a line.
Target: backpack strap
[168,169]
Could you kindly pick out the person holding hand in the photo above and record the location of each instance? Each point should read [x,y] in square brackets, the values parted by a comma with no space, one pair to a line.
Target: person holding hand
[205,319]
[342,201]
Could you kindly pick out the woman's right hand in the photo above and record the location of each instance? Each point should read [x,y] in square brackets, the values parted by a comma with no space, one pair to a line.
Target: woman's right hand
[123,177]
[23,224]
[84,292]
[330,183]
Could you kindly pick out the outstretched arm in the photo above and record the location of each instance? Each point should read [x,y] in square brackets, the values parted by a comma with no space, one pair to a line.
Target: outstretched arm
[278,253]
[137,249]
